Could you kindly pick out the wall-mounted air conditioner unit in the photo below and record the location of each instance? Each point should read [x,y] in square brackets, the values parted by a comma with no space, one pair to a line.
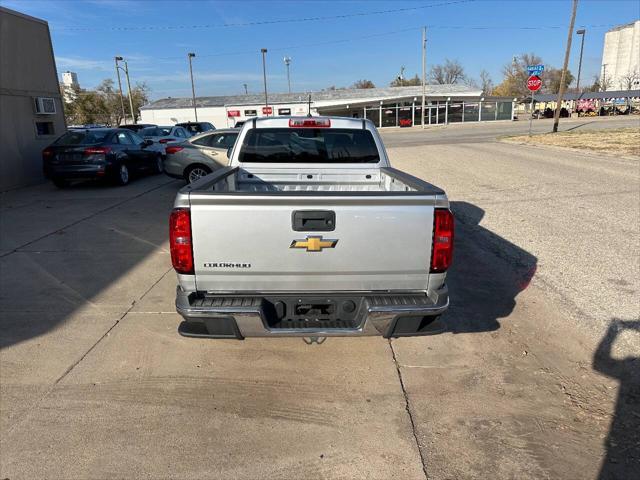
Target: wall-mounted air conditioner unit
[45,105]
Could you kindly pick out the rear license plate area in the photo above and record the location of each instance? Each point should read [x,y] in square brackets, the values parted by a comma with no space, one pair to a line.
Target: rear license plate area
[293,312]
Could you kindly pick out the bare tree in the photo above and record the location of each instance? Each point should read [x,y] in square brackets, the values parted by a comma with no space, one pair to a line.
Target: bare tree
[451,72]
[599,84]
[630,80]
[363,84]
[486,83]
[407,82]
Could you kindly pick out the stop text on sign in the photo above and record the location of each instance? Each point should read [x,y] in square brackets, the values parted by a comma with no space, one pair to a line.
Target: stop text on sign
[534,83]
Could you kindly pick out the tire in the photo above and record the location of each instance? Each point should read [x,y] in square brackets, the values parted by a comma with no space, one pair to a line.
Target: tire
[195,172]
[60,182]
[159,167]
[123,175]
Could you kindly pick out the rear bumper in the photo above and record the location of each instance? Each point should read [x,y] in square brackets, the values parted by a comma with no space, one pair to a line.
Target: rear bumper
[387,315]
[77,171]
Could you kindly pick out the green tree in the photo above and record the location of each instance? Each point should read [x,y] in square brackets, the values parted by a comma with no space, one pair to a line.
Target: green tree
[551,79]
[102,105]
[514,82]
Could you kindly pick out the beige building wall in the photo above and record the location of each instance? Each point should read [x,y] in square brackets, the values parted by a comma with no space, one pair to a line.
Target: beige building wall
[621,55]
[27,71]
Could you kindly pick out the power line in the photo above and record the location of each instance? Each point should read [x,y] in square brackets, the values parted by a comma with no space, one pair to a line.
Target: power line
[259,22]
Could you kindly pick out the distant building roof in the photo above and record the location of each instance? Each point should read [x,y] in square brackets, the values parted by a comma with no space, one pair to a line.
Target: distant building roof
[350,94]
[552,97]
[622,27]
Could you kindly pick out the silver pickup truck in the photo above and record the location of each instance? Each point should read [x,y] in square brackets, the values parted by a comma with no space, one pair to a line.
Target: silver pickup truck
[310,232]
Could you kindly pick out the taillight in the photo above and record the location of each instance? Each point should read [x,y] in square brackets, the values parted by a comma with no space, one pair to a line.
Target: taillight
[180,240]
[167,140]
[442,240]
[310,122]
[97,150]
[47,152]
[173,149]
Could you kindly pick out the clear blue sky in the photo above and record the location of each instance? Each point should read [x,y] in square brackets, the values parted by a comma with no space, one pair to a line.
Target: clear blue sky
[480,34]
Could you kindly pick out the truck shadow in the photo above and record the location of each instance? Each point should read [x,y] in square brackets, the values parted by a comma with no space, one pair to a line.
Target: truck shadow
[488,273]
[622,457]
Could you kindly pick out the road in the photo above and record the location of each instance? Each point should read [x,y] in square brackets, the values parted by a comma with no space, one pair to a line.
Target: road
[484,132]
[96,383]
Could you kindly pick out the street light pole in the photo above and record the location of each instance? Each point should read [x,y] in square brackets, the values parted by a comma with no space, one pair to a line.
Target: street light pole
[124,115]
[126,73]
[264,74]
[287,61]
[246,92]
[582,31]
[193,89]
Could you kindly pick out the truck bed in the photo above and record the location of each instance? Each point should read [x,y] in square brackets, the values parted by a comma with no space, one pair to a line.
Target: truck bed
[236,180]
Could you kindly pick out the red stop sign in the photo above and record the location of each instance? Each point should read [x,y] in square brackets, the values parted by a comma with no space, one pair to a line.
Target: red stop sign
[534,83]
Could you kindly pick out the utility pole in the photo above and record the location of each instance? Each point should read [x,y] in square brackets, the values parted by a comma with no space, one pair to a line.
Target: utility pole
[246,92]
[424,68]
[287,61]
[124,115]
[126,73]
[556,115]
[264,75]
[582,31]
[193,89]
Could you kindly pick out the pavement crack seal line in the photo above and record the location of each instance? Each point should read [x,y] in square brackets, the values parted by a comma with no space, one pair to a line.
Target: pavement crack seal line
[34,408]
[115,205]
[407,407]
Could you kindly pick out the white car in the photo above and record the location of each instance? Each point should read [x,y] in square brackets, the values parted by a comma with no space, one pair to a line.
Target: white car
[161,136]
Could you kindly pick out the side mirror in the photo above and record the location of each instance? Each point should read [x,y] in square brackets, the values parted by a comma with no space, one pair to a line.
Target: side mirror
[229,152]
[147,143]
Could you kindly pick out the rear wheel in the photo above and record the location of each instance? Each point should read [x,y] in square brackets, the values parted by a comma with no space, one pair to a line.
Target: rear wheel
[159,168]
[123,174]
[60,182]
[195,172]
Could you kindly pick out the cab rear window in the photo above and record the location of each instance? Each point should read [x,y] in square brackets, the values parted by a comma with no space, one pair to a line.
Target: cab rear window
[308,145]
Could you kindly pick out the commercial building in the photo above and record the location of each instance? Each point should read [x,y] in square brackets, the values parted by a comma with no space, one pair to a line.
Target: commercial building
[69,86]
[31,114]
[386,107]
[620,68]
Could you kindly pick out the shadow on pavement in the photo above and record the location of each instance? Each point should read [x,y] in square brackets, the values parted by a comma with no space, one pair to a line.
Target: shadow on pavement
[622,460]
[78,268]
[483,288]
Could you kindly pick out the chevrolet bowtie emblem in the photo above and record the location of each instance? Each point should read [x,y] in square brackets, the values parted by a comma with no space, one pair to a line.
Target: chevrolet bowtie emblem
[313,244]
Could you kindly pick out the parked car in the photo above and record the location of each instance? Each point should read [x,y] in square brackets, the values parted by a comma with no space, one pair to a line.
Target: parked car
[196,127]
[310,232]
[136,127]
[102,153]
[200,155]
[160,136]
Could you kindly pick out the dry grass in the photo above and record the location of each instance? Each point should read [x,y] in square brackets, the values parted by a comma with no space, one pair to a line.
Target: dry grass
[620,141]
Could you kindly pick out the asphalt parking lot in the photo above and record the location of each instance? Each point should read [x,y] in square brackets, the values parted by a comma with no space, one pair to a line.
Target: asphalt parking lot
[537,375]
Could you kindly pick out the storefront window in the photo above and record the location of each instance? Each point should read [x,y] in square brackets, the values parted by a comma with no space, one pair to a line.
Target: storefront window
[471,111]
[504,110]
[488,111]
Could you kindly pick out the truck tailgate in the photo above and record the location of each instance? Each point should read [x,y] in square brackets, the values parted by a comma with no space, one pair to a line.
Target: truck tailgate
[244,243]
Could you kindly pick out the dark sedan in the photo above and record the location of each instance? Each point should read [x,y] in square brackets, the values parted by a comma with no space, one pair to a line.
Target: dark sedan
[102,153]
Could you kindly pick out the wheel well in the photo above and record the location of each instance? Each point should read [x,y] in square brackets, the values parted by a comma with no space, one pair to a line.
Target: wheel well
[193,165]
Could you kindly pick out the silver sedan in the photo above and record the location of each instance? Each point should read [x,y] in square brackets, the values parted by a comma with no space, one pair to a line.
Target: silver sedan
[200,155]
[161,136]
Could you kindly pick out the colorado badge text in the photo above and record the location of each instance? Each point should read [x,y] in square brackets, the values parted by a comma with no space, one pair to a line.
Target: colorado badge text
[313,244]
